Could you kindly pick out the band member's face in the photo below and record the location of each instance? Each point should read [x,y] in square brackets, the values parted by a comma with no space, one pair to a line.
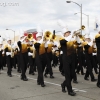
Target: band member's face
[0,45]
[66,34]
[39,38]
[88,39]
[9,41]
[22,37]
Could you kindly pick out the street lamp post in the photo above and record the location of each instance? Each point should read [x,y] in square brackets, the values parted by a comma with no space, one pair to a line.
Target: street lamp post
[80,11]
[87,18]
[14,33]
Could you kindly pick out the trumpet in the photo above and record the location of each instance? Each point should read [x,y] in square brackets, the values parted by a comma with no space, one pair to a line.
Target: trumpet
[78,33]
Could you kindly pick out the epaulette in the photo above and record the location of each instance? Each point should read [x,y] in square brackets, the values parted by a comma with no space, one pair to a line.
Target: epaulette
[98,35]
[84,43]
[61,38]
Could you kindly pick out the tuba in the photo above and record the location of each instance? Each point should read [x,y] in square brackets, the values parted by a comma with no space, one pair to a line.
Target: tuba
[47,35]
[30,36]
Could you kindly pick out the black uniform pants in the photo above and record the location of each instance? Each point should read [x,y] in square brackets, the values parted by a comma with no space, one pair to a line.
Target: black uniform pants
[80,67]
[98,58]
[49,67]
[9,64]
[18,62]
[68,70]
[40,63]
[23,63]
[31,64]
[95,63]
[89,61]
[61,64]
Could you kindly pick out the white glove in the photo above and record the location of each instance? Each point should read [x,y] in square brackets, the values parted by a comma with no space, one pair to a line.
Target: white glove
[8,53]
[94,54]
[80,45]
[3,52]
[30,54]
[78,39]
[61,52]
[46,45]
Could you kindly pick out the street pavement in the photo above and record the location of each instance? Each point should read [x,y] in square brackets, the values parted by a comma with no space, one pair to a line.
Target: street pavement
[13,88]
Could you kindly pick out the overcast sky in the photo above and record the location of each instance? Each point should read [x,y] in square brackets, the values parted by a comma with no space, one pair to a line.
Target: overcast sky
[27,14]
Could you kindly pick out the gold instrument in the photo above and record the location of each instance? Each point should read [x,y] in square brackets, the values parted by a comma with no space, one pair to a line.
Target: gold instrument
[49,35]
[30,36]
[78,33]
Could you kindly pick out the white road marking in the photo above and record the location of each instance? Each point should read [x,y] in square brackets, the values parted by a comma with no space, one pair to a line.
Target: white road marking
[75,89]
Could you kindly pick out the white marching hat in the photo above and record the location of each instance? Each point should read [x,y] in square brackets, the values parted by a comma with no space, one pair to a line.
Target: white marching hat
[87,36]
[64,30]
[8,38]
[39,31]
[63,26]
[38,34]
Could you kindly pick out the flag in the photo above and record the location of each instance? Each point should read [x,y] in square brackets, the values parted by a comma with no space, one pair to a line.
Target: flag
[97,24]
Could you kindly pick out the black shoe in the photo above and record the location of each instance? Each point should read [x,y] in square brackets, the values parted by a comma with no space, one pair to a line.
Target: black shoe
[52,76]
[62,74]
[75,81]
[38,83]
[43,85]
[72,93]
[63,88]
[93,80]
[45,75]
[77,72]
[25,79]
[86,79]
[98,85]
[97,72]
[19,71]
[82,73]
[10,75]
[33,73]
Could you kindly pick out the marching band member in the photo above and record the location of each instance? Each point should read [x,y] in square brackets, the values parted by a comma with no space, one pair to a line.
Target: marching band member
[97,40]
[40,57]
[9,54]
[49,56]
[67,48]
[80,55]
[55,52]
[17,57]
[22,44]
[31,57]
[88,56]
